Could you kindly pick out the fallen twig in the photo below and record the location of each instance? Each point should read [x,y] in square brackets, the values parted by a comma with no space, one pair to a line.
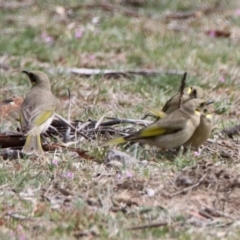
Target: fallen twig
[106,7]
[12,5]
[88,72]
[81,153]
[216,213]
[67,133]
[11,140]
[189,188]
[70,125]
[126,120]
[18,216]
[151,225]
[99,122]
[183,15]
[194,14]
[205,214]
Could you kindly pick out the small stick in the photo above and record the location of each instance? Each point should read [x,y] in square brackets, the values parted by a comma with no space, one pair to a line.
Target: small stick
[67,133]
[189,188]
[56,146]
[181,89]
[111,73]
[126,120]
[99,122]
[151,225]
[106,7]
[70,125]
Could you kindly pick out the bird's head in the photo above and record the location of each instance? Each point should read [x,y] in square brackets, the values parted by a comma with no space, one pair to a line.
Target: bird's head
[38,78]
[195,92]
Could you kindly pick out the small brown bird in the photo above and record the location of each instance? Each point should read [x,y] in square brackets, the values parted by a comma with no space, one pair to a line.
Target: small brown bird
[189,93]
[202,132]
[171,131]
[37,111]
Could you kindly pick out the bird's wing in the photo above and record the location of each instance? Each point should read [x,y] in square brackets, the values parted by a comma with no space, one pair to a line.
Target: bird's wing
[161,127]
[166,106]
[31,117]
[175,101]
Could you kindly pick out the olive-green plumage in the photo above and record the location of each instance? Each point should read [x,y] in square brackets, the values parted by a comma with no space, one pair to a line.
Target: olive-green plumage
[202,132]
[171,131]
[156,112]
[189,93]
[37,111]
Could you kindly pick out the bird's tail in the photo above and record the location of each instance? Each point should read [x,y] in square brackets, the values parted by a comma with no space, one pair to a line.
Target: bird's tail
[113,141]
[33,145]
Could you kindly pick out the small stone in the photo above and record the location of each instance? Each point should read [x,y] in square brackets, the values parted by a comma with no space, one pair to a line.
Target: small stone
[114,163]
[122,157]
[144,162]
[150,192]
[221,234]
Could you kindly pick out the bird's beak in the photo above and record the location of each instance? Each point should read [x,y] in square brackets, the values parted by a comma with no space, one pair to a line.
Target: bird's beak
[209,102]
[26,72]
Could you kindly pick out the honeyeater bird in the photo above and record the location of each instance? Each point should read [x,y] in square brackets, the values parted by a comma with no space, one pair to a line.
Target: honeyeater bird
[37,111]
[202,132]
[189,93]
[169,132]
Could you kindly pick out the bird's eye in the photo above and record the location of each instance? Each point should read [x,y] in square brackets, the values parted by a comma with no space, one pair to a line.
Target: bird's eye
[205,110]
[194,92]
[33,78]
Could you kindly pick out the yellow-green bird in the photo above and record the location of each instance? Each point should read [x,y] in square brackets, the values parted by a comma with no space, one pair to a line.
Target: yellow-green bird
[202,132]
[171,131]
[37,112]
[189,93]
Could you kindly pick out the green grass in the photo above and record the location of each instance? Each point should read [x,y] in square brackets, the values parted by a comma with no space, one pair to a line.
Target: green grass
[111,40]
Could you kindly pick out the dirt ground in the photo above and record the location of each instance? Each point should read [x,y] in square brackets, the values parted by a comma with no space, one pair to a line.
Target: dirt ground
[74,193]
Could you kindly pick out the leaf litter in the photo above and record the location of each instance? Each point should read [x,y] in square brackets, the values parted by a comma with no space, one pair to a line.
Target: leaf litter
[203,195]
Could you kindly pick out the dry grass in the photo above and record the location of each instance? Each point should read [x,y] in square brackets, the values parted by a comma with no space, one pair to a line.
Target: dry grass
[67,197]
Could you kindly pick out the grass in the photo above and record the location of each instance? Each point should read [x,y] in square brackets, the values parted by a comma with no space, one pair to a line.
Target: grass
[65,197]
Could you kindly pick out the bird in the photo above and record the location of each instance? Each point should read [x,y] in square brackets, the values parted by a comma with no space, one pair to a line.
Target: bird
[202,132]
[189,93]
[37,112]
[171,131]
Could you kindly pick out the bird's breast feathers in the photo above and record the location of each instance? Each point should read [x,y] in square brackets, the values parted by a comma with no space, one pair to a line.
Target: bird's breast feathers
[209,116]
[197,113]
